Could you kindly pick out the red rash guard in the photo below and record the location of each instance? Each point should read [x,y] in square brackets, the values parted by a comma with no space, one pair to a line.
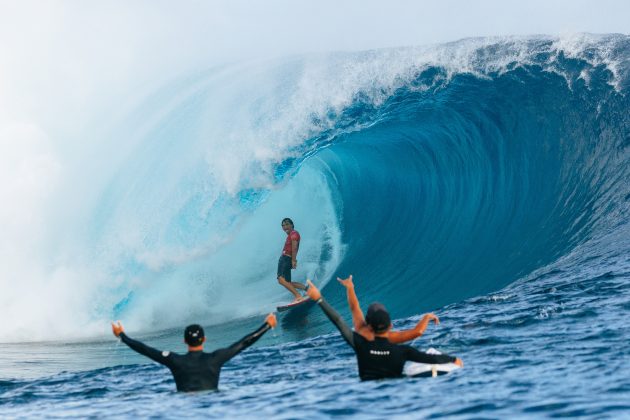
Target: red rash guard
[293,236]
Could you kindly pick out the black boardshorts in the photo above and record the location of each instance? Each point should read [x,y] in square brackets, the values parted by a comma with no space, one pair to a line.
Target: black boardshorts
[284,267]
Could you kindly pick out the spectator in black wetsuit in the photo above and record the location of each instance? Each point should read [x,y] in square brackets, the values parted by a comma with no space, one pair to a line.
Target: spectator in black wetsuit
[195,370]
[377,357]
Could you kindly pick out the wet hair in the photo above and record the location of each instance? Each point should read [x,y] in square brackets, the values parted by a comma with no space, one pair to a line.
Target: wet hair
[193,335]
[287,220]
[378,318]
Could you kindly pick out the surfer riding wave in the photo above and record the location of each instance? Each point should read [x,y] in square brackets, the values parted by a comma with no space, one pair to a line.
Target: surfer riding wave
[288,260]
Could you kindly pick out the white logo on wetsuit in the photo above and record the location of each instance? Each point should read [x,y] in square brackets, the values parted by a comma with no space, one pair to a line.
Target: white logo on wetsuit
[166,353]
[380,353]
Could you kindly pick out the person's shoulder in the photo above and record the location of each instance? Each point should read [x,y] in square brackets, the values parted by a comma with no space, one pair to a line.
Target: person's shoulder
[214,353]
[365,332]
[295,235]
[358,337]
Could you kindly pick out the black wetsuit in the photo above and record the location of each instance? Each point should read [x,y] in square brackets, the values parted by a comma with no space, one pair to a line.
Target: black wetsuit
[195,370]
[380,359]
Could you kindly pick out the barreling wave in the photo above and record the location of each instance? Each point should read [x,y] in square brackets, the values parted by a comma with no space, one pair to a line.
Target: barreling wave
[432,174]
[463,183]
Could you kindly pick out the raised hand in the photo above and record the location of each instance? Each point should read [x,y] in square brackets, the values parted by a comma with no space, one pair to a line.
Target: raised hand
[271,320]
[117,328]
[347,283]
[313,292]
[431,317]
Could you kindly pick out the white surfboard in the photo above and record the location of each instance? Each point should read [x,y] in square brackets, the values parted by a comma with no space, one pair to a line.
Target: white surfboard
[425,370]
[293,305]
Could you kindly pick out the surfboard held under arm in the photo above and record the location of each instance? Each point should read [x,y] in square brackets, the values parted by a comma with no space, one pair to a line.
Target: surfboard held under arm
[427,370]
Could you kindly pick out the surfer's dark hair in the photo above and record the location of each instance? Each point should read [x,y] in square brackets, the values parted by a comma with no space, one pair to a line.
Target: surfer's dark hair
[287,220]
[378,318]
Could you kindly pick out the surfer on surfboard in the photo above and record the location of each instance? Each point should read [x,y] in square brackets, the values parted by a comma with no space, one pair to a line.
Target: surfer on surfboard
[288,260]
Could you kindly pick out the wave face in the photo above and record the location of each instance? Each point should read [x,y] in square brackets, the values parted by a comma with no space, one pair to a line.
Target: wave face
[461,184]
[431,174]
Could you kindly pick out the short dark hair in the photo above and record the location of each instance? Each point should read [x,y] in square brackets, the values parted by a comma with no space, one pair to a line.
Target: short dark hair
[194,335]
[287,220]
[378,318]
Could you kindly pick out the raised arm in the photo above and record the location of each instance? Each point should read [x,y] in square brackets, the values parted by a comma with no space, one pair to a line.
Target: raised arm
[415,332]
[336,319]
[223,355]
[358,320]
[153,354]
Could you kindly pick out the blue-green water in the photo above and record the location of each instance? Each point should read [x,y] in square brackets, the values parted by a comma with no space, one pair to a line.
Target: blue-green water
[490,187]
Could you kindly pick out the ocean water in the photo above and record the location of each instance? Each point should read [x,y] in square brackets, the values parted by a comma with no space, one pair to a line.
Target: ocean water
[486,180]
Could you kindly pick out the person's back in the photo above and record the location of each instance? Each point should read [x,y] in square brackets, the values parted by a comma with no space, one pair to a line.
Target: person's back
[377,358]
[195,370]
